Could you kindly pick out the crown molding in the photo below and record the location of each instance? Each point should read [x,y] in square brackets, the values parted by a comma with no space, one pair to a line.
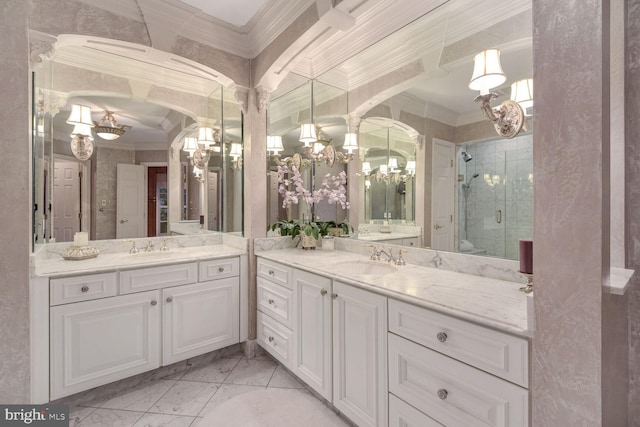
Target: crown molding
[125,8]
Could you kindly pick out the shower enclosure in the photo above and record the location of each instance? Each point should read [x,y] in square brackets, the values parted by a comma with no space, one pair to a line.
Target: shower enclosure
[495,196]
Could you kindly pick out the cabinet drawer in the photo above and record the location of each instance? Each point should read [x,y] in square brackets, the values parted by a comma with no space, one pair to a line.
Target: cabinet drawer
[451,392]
[219,269]
[82,288]
[145,279]
[276,301]
[403,415]
[276,339]
[498,353]
[275,272]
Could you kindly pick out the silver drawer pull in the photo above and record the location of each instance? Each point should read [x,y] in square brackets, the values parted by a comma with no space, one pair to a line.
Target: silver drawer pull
[442,336]
[271,272]
[169,299]
[334,296]
[220,269]
[271,301]
[323,292]
[85,288]
[443,393]
[154,302]
[270,339]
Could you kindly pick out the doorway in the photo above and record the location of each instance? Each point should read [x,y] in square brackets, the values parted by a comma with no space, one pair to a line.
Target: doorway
[157,201]
[70,204]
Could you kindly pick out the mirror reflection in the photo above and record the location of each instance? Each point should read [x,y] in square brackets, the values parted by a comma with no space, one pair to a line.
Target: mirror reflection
[108,149]
[471,186]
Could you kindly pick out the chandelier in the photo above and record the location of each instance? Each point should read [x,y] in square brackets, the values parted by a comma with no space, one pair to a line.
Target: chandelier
[81,138]
[112,130]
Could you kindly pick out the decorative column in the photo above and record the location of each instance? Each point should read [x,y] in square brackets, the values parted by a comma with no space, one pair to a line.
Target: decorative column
[355,183]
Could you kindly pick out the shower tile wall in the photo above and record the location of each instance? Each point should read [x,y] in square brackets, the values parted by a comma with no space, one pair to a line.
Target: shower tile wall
[503,187]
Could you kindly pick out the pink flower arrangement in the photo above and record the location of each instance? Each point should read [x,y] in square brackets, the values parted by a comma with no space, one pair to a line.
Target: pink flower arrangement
[332,189]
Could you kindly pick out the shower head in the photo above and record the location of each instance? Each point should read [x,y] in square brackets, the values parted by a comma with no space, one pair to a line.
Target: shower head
[468,183]
[466,156]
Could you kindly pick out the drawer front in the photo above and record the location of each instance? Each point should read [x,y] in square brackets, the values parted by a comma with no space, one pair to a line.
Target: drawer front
[276,301]
[275,272]
[403,415]
[83,288]
[146,279]
[498,353]
[276,339]
[219,269]
[451,392]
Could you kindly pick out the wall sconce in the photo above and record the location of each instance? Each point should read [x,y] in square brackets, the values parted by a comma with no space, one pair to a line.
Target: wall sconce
[274,144]
[81,138]
[236,154]
[410,168]
[308,134]
[508,118]
[366,168]
[522,93]
[199,149]
[390,172]
[321,152]
[109,133]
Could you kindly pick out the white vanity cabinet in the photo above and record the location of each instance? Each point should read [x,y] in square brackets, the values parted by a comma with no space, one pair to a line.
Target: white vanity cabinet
[359,354]
[96,342]
[154,317]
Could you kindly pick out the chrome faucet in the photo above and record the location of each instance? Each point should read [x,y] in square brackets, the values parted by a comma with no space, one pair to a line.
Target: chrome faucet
[375,255]
[389,255]
[149,247]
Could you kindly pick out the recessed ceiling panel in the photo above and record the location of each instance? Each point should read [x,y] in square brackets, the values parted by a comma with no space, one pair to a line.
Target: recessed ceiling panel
[236,12]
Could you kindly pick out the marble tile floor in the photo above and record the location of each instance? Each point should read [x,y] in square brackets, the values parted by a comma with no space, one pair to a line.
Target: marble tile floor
[183,399]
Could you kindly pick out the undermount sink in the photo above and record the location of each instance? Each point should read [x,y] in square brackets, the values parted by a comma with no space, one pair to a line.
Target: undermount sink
[366,267]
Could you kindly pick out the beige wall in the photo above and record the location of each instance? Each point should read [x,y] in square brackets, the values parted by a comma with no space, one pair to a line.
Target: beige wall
[14,209]
[632,115]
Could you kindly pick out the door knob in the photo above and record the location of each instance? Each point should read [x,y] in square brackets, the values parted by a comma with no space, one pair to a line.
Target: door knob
[438,227]
[122,221]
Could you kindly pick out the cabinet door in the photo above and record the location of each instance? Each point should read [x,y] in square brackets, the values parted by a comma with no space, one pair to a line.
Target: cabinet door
[312,330]
[200,318]
[359,355]
[97,342]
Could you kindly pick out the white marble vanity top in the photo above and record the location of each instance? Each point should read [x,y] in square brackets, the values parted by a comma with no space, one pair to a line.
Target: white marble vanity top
[386,236]
[491,302]
[124,260]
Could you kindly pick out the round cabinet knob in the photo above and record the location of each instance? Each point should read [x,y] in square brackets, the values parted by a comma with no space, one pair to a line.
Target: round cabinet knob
[270,339]
[271,273]
[154,302]
[271,301]
[220,269]
[323,292]
[443,393]
[85,288]
[334,296]
[169,299]
[442,336]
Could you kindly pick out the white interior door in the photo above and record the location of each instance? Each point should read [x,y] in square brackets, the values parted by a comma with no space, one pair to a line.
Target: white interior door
[66,200]
[443,190]
[130,215]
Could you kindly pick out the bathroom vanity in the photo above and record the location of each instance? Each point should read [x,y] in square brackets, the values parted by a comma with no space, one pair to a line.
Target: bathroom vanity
[397,346]
[101,320]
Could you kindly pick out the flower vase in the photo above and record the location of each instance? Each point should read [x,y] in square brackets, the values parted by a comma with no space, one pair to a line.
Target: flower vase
[308,242]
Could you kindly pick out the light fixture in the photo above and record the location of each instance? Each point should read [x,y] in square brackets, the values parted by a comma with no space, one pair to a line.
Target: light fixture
[324,151]
[236,154]
[190,146]
[274,144]
[350,142]
[81,139]
[199,149]
[114,131]
[366,168]
[208,137]
[393,164]
[410,168]
[508,119]
[522,93]
[308,134]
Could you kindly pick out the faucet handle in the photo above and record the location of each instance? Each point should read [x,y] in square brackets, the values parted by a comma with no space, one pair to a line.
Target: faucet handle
[133,249]
[375,256]
[400,260]
[164,246]
[150,247]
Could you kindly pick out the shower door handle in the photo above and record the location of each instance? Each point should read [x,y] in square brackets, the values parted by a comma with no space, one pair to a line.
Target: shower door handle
[499,216]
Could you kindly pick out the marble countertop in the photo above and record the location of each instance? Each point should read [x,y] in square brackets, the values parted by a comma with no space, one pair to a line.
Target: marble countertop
[386,236]
[124,261]
[490,302]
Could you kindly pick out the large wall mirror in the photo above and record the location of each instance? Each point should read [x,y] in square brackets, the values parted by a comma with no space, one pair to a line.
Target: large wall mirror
[129,175]
[449,181]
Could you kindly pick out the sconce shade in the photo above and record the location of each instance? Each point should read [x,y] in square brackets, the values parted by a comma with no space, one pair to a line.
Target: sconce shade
[80,115]
[393,163]
[274,144]
[487,71]
[236,150]
[384,169]
[522,93]
[197,171]
[82,130]
[410,167]
[318,147]
[366,168]
[350,142]
[205,137]
[308,134]
[190,145]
